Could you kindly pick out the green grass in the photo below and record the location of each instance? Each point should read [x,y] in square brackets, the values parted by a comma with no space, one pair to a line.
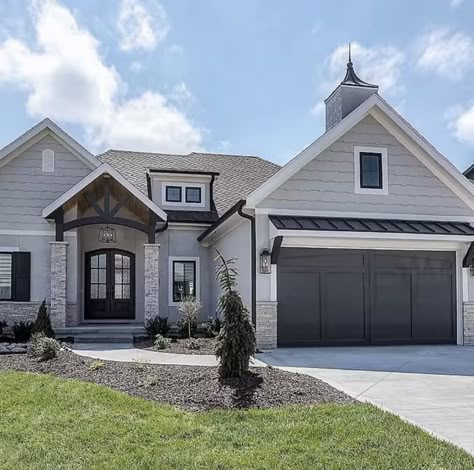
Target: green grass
[49,423]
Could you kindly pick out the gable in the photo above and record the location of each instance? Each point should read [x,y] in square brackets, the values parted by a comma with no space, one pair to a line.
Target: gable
[25,189]
[327,182]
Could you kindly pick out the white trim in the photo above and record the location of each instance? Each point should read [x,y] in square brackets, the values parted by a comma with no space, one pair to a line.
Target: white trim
[197,260]
[183,187]
[274,283]
[186,226]
[377,107]
[48,161]
[365,215]
[9,249]
[105,168]
[357,188]
[48,127]
[214,239]
[373,236]
[35,233]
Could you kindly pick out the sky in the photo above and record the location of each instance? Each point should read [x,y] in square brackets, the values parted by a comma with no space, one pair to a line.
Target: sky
[240,77]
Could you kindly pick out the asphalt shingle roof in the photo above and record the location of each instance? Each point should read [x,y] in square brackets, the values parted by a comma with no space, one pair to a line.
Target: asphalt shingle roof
[238,175]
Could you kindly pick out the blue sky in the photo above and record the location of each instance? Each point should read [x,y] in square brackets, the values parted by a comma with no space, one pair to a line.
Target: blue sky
[244,77]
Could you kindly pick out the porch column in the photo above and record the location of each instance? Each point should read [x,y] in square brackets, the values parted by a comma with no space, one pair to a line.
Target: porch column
[152,280]
[266,327]
[58,283]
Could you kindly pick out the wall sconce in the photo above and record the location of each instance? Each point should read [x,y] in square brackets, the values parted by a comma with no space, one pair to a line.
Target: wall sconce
[107,235]
[265,261]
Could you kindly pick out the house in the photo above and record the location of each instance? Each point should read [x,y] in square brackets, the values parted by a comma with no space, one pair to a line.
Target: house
[363,238]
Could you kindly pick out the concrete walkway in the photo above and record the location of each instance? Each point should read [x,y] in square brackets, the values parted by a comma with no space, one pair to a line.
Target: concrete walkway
[431,386]
[127,353]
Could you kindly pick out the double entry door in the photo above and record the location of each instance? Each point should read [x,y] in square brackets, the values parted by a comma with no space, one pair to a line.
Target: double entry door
[109,285]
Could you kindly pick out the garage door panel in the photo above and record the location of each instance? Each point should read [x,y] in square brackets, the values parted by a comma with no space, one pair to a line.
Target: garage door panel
[414,260]
[299,316]
[343,307]
[390,313]
[432,299]
[320,259]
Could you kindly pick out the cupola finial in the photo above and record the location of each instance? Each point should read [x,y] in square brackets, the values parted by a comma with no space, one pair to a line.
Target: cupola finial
[350,58]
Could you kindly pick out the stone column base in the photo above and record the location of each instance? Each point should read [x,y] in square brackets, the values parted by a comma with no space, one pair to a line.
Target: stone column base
[468,314]
[58,284]
[266,328]
[152,280]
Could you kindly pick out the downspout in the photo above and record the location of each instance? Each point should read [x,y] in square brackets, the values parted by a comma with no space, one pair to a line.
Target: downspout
[253,258]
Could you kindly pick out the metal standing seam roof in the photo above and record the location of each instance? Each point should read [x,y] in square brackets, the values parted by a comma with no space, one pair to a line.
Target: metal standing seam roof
[340,224]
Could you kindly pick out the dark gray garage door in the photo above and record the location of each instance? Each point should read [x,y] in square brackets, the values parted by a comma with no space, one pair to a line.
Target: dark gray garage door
[332,297]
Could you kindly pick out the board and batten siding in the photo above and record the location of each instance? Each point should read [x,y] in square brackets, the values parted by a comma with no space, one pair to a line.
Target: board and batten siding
[327,182]
[25,190]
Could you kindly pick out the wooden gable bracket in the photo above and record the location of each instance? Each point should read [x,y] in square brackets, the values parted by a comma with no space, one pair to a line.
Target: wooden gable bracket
[276,249]
[468,259]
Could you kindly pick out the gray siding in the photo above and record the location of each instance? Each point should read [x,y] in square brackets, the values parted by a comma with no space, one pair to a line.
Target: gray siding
[327,182]
[177,242]
[25,190]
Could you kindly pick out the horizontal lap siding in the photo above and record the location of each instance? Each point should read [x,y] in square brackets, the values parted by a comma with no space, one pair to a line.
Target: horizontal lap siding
[25,190]
[327,182]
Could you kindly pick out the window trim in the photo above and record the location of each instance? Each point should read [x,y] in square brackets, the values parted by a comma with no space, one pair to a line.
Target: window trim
[183,186]
[186,195]
[361,172]
[359,189]
[197,276]
[48,158]
[170,186]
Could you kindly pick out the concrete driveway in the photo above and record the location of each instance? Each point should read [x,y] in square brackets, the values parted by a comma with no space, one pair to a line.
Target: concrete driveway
[432,386]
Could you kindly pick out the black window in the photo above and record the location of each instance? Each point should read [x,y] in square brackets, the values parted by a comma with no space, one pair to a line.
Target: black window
[15,276]
[371,170]
[184,280]
[173,194]
[193,195]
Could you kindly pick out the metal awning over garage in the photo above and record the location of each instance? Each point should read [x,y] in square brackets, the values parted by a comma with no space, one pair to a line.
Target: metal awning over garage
[340,224]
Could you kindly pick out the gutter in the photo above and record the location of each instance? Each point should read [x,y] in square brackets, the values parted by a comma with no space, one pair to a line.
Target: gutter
[253,261]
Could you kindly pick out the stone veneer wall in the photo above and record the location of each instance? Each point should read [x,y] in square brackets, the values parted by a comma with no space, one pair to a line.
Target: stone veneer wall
[14,312]
[468,313]
[58,310]
[266,329]
[152,280]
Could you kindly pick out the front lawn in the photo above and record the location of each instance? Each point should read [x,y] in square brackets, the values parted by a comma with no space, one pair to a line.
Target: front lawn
[48,422]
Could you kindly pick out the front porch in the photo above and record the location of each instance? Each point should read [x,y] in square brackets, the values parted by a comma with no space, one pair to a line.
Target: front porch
[104,280]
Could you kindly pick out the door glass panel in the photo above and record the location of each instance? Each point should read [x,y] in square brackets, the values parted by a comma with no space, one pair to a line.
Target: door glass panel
[95,261]
[98,276]
[122,276]
[118,291]
[94,276]
[126,276]
[94,291]
[126,261]
[118,276]
[126,292]
[102,291]
[102,276]
[102,261]
[118,261]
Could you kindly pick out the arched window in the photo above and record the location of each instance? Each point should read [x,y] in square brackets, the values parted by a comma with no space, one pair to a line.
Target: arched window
[48,161]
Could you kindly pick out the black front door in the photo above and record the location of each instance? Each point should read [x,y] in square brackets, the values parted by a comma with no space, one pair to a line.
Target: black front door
[110,285]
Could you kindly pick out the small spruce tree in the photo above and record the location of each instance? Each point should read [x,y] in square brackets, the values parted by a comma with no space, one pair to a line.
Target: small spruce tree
[43,322]
[236,340]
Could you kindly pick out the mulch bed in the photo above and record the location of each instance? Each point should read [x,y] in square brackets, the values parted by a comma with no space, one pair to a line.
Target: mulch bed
[188,387]
[181,346]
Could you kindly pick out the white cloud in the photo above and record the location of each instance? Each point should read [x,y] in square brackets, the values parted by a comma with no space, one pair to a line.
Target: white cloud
[448,54]
[141,27]
[81,89]
[181,94]
[456,3]
[462,124]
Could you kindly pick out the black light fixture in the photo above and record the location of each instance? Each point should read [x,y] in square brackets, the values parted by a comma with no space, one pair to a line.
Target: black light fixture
[265,261]
[107,235]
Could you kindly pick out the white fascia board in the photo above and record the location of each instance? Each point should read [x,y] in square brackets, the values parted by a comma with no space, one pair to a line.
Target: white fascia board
[365,215]
[310,152]
[40,130]
[105,168]
[373,236]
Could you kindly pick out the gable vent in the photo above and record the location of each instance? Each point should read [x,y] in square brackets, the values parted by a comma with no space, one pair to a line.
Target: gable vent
[48,161]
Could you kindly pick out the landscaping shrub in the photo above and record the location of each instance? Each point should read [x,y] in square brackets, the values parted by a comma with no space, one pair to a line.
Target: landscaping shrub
[43,347]
[157,326]
[189,308]
[212,327]
[236,340]
[96,365]
[43,322]
[161,342]
[194,344]
[3,324]
[22,330]
[182,326]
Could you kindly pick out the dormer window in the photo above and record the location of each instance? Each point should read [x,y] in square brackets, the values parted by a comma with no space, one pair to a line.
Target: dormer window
[193,195]
[184,195]
[370,170]
[174,194]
